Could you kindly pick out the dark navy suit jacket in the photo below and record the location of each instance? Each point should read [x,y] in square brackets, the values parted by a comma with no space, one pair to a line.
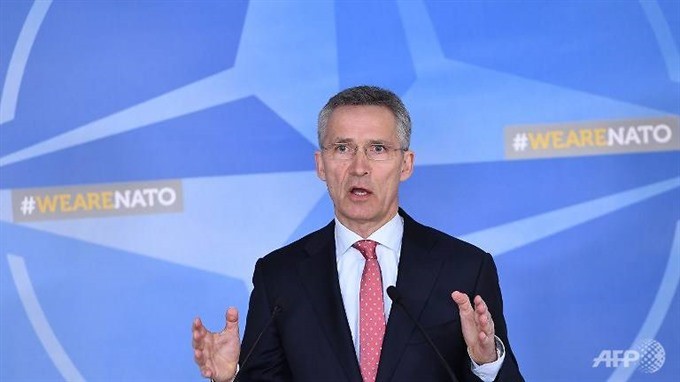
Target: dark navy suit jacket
[310,339]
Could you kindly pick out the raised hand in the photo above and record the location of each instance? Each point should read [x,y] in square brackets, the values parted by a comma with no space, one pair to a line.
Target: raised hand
[216,354]
[478,328]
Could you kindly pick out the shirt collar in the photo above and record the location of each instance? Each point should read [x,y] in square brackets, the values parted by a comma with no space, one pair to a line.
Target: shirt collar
[389,235]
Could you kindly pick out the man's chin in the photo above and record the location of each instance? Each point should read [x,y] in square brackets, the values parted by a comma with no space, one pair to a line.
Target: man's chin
[360,217]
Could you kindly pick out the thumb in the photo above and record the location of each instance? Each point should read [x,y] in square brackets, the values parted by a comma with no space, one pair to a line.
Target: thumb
[462,300]
[232,319]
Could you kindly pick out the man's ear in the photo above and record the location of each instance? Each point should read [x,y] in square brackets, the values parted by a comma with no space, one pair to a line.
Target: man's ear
[407,165]
[320,170]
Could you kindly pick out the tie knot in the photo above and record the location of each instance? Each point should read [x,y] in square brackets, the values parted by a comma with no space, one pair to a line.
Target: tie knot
[367,248]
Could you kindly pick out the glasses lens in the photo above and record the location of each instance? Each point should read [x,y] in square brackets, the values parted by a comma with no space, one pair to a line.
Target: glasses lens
[376,152]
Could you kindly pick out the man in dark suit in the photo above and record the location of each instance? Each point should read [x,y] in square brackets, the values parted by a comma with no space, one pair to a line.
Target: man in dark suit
[332,320]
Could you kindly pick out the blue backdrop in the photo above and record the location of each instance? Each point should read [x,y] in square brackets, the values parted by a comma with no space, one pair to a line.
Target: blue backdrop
[101,97]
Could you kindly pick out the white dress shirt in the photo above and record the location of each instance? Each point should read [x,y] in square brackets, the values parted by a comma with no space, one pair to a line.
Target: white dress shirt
[350,264]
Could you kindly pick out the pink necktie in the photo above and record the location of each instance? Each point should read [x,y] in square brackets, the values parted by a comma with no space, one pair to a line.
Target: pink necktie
[371,312]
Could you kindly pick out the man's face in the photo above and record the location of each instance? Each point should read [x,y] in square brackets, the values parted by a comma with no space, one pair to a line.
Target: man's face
[364,191]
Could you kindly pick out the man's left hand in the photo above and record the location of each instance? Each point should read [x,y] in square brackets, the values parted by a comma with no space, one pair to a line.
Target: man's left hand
[477,326]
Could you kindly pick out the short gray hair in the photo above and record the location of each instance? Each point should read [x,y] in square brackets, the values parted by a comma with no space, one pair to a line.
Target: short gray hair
[368,95]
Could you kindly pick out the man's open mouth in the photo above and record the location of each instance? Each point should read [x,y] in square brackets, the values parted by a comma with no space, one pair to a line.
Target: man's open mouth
[358,191]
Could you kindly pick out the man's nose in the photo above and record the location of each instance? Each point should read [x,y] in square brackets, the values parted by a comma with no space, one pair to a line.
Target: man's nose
[360,165]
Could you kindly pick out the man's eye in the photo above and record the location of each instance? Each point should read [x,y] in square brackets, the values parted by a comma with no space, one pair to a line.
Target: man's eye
[341,148]
[378,149]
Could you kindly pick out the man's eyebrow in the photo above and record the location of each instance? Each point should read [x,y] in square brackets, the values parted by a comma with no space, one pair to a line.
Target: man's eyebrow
[378,142]
[370,141]
[343,140]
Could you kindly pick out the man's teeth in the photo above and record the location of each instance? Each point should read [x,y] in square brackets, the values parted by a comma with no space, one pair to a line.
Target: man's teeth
[359,192]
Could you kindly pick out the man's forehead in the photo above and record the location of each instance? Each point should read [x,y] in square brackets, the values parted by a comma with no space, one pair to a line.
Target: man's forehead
[359,136]
[341,139]
[362,123]
[350,108]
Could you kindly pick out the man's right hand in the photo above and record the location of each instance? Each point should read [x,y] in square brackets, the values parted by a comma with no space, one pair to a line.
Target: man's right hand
[216,354]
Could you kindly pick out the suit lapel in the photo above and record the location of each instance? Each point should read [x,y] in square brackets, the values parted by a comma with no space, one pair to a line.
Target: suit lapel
[319,275]
[418,271]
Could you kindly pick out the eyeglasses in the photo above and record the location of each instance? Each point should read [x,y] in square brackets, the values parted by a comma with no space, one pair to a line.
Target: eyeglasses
[374,151]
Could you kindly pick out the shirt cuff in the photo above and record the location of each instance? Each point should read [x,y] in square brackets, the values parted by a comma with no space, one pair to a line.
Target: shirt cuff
[232,378]
[488,371]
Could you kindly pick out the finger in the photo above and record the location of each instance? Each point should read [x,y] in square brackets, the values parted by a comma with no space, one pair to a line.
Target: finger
[484,316]
[232,319]
[485,328]
[206,372]
[197,337]
[199,358]
[463,302]
[199,331]
[480,305]
[232,315]
[196,340]
[197,326]
[491,327]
